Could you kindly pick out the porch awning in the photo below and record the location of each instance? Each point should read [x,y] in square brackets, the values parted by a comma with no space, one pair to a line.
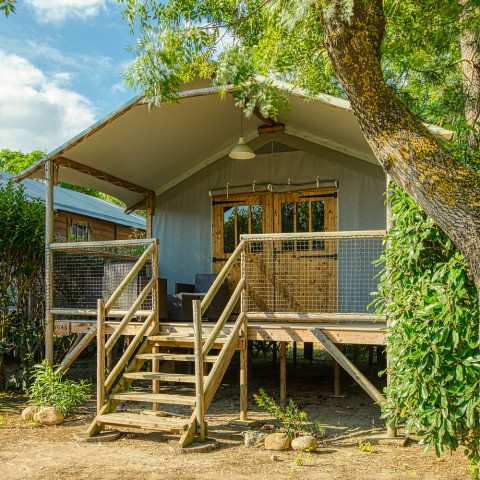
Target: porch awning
[133,151]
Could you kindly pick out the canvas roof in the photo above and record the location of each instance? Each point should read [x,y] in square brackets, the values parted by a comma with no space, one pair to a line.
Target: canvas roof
[76,202]
[158,148]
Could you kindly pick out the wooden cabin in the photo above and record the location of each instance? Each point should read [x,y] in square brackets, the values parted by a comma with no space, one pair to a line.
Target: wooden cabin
[292,233]
[80,217]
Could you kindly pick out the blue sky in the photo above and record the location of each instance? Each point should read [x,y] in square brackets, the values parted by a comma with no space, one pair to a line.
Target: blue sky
[60,70]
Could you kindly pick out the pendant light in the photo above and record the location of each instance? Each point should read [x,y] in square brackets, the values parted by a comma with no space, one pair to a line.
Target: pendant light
[241,151]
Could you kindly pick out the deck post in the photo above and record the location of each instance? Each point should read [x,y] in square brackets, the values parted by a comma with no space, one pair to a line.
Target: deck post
[283,374]
[200,398]
[149,209]
[100,354]
[308,351]
[49,325]
[244,378]
[391,428]
[336,378]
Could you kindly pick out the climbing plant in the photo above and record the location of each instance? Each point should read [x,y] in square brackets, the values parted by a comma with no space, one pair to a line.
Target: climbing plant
[431,299]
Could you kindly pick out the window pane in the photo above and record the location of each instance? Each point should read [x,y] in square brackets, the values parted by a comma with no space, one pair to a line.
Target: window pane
[287,217]
[318,223]
[242,221]
[302,217]
[228,229]
[257,218]
[287,224]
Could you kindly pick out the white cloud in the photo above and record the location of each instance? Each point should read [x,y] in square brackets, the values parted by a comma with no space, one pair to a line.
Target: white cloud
[59,10]
[36,110]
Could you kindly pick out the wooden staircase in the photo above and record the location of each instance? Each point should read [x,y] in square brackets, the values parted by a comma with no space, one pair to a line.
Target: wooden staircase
[145,348]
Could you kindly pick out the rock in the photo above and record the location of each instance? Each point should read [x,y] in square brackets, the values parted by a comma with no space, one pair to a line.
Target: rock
[305,444]
[49,416]
[29,412]
[277,441]
[253,438]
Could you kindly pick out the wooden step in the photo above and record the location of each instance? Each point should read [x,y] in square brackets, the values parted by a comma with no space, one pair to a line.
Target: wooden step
[153,398]
[151,422]
[175,356]
[166,377]
[183,341]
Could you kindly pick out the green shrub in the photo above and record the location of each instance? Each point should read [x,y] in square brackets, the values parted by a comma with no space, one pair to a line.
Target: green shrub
[293,421]
[50,390]
[431,299]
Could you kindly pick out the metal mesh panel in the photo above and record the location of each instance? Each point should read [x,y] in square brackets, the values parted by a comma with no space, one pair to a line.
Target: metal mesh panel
[314,274]
[84,273]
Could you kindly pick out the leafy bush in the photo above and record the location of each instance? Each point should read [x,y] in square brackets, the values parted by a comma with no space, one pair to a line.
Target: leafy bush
[294,422]
[433,341]
[50,390]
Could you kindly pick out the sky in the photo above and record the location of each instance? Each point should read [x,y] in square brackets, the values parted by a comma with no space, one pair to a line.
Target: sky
[60,70]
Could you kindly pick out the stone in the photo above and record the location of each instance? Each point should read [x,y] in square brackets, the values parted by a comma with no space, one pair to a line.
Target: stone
[277,441]
[305,444]
[49,416]
[253,438]
[29,412]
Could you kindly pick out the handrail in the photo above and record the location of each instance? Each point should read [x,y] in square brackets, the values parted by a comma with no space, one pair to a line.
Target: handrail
[223,318]
[126,319]
[102,243]
[129,278]
[222,276]
[128,353]
[314,235]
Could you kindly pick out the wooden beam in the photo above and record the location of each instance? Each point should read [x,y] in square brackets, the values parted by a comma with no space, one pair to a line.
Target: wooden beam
[150,210]
[138,206]
[271,129]
[244,378]
[199,393]
[348,366]
[102,176]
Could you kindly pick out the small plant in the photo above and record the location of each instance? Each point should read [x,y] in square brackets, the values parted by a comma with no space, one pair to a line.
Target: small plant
[294,422]
[49,390]
[365,446]
[298,460]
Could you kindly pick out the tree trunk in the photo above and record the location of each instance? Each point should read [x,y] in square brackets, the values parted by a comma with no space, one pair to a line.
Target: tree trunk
[470,52]
[444,187]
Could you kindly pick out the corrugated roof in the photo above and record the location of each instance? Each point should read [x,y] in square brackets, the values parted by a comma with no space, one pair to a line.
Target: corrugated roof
[76,202]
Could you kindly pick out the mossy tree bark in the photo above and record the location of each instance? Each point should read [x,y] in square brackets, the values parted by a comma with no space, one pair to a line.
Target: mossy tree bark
[444,187]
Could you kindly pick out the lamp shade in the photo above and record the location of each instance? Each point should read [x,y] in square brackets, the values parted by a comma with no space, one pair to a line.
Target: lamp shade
[241,151]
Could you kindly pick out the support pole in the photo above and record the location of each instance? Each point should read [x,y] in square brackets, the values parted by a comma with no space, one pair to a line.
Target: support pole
[336,379]
[391,429]
[149,208]
[308,351]
[244,378]
[49,325]
[283,374]
[100,354]
[156,369]
[200,398]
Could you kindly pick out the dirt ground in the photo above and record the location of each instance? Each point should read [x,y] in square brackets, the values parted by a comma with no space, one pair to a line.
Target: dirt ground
[33,452]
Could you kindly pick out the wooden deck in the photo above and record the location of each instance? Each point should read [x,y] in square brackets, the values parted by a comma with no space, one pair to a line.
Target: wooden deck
[341,332]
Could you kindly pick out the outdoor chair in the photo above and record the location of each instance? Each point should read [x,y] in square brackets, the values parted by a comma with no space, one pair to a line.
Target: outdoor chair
[180,303]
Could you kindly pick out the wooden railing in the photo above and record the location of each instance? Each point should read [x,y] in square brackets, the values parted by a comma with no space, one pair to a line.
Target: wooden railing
[103,349]
[206,390]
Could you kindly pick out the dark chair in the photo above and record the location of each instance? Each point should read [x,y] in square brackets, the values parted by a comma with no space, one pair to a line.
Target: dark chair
[180,303]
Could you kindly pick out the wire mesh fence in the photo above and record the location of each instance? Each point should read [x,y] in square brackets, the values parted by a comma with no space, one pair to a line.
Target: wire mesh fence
[86,271]
[314,273]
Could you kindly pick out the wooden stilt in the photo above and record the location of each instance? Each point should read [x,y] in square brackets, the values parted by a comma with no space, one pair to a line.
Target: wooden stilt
[244,379]
[100,354]
[274,355]
[355,355]
[249,359]
[294,355]
[337,378]
[308,351]
[370,361]
[283,374]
